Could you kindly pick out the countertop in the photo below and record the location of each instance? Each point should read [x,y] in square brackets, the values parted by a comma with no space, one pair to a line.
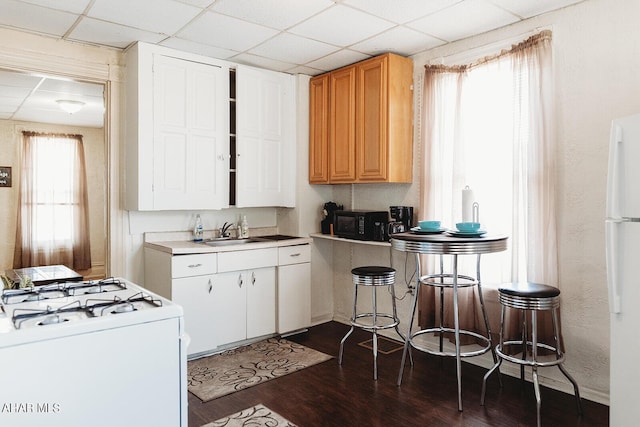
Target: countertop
[181,247]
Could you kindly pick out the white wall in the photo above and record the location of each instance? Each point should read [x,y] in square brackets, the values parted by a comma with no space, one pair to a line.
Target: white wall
[597,63]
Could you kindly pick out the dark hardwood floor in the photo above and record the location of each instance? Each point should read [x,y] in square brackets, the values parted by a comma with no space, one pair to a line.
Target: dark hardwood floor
[331,395]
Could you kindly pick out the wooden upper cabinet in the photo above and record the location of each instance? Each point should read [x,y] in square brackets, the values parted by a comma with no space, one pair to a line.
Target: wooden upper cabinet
[369,126]
[319,130]
[342,125]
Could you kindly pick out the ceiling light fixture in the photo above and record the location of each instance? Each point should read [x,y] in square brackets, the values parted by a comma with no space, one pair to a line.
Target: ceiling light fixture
[70,106]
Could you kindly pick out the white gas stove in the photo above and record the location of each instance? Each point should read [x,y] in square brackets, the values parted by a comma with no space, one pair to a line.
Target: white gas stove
[102,353]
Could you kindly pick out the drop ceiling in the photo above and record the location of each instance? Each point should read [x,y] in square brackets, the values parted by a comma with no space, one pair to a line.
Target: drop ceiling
[293,36]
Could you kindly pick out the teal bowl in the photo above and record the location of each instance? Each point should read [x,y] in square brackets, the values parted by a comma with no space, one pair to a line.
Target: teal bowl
[429,225]
[468,227]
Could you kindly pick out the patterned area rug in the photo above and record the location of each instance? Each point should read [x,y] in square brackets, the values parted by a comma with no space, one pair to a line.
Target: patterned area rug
[221,374]
[257,416]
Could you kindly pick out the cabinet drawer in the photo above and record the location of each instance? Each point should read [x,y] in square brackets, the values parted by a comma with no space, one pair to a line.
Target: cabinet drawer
[193,265]
[244,260]
[294,254]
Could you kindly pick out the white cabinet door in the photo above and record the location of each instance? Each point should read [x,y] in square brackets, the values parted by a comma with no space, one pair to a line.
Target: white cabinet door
[229,307]
[195,295]
[190,147]
[261,301]
[294,297]
[266,150]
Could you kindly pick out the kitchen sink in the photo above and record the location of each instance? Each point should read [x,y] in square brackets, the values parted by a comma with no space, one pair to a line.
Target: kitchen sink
[229,242]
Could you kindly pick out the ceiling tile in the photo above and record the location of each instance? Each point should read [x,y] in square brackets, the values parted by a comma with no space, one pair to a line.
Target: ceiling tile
[400,11]
[301,69]
[15,94]
[198,48]
[401,40]
[158,16]
[463,20]
[527,9]
[289,48]
[262,62]
[72,88]
[35,18]
[199,3]
[20,80]
[223,31]
[270,12]
[347,26]
[73,6]
[108,34]
[338,59]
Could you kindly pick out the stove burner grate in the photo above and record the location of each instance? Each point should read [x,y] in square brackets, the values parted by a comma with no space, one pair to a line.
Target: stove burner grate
[117,305]
[34,293]
[50,316]
[95,287]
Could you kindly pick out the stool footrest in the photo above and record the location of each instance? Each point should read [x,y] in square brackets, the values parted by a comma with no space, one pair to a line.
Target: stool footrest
[445,280]
[485,341]
[500,349]
[370,327]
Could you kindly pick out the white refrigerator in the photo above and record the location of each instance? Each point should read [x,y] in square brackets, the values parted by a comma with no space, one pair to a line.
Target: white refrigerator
[622,226]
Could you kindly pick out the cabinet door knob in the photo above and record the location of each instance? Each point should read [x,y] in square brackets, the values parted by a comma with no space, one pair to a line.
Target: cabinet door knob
[253,277]
[240,281]
[210,286]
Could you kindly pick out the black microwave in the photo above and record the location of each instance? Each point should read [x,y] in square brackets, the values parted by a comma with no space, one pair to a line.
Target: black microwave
[361,225]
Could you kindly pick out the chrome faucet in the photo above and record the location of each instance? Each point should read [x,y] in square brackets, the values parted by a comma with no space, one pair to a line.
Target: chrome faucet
[224,230]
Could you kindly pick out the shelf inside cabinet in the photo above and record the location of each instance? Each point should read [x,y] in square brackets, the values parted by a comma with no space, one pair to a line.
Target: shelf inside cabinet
[232,138]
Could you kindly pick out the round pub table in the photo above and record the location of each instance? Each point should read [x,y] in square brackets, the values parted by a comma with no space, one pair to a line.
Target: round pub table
[445,244]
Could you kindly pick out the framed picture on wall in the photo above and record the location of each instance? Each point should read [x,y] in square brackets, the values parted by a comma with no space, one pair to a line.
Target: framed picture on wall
[5,176]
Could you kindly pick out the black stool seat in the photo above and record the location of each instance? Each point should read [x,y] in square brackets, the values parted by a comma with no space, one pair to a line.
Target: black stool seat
[529,290]
[373,275]
[372,270]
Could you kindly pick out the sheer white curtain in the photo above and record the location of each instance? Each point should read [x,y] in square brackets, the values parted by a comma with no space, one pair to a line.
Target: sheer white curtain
[53,222]
[489,125]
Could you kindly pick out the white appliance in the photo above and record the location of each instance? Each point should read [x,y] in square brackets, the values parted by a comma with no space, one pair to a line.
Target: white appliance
[99,353]
[623,268]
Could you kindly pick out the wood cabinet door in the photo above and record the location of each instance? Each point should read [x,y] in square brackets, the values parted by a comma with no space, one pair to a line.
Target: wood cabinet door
[265,122]
[261,301]
[196,296]
[190,120]
[319,130]
[294,297]
[342,132]
[371,119]
[230,307]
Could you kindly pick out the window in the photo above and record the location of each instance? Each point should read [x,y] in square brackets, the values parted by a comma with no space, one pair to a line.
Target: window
[53,222]
[488,126]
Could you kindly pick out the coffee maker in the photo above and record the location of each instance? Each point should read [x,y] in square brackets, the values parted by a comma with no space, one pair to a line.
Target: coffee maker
[401,219]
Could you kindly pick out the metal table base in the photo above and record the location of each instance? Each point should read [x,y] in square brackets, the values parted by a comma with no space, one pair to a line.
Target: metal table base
[446,245]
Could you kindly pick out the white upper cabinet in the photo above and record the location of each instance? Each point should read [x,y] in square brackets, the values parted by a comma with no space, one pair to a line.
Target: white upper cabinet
[265,131]
[177,124]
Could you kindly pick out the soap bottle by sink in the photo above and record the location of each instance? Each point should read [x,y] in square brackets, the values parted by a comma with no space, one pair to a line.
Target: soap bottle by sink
[198,230]
[244,228]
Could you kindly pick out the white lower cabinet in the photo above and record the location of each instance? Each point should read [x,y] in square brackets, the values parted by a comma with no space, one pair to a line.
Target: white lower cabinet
[294,288]
[232,296]
[245,304]
[197,298]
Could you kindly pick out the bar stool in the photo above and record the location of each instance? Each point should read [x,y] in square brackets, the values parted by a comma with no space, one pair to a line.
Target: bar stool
[532,297]
[373,276]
